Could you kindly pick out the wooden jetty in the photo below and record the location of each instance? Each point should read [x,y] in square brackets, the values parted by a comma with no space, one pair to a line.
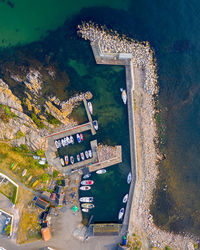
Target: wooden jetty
[105,229]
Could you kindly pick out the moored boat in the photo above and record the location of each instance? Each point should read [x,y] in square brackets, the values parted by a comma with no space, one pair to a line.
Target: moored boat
[90,107]
[86,176]
[121,213]
[101,171]
[95,124]
[129,177]
[66,159]
[78,157]
[71,139]
[87,182]
[68,139]
[90,153]
[87,205]
[63,142]
[78,138]
[82,156]
[86,154]
[62,162]
[125,198]
[86,199]
[85,188]
[85,210]
[81,136]
[57,143]
[124,96]
[72,159]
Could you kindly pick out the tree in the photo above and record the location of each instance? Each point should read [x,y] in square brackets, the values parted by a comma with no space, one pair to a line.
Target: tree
[40,152]
[44,177]
[55,173]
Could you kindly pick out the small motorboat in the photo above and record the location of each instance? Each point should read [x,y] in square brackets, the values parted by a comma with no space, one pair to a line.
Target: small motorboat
[90,107]
[86,199]
[81,136]
[72,159]
[125,198]
[57,144]
[101,171]
[82,156]
[85,210]
[121,213]
[129,177]
[87,205]
[78,157]
[85,188]
[78,138]
[71,139]
[86,154]
[95,124]
[90,153]
[68,139]
[63,142]
[62,162]
[124,96]
[66,159]
[86,176]
[88,182]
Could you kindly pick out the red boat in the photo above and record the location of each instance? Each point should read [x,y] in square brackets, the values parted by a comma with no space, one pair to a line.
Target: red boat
[89,182]
[85,188]
[81,136]
[66,159]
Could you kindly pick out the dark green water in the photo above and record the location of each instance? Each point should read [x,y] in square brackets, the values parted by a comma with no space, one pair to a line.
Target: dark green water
[172,28]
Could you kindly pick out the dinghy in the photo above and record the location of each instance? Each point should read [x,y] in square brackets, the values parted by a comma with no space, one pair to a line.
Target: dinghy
[85,188]
[121,213]
[101,171]
[87,182]
[129,177]
[125,198]
[86,199]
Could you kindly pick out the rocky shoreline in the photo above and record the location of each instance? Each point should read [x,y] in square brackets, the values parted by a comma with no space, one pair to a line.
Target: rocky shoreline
[145,89]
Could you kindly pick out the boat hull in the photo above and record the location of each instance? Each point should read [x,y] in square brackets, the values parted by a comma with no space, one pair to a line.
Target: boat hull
[101,171]
[86,199]
[121,213]
[85,188]
[125,198]
[87,205]
[87,182]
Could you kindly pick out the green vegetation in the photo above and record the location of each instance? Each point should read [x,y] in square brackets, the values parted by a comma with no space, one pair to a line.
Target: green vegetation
[134,243]
[9,190]
[20,134]
[52,120]
[168,248]
[8,229]
[5,113]
[44,177]
[40,152]
[37,121]
[14,198]
[23,149]
[55,173]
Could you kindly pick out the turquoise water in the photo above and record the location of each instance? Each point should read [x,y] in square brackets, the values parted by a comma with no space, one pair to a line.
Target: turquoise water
[172,28]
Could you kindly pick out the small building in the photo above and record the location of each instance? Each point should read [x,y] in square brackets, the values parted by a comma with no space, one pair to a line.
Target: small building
[53,197]
[58,189]
[59,199]
[46,235]
[46,195]
[41,204]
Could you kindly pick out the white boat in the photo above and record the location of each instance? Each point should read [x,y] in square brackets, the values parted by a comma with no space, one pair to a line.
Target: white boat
[86,176]
[71,139]
[57,144]
[121,213]
[85,188]
[90,107]
[90,153]
[125,198]
[129,177]
[63,142]
[82,156]
[86,154]
[68,140]
[87,182]
[85,210]
[95,124]
[72,159]
[124,96]
[78,157]
[101,171]
[62,162]
[86,199]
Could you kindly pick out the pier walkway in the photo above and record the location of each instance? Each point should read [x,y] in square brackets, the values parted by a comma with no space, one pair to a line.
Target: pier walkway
[125,60]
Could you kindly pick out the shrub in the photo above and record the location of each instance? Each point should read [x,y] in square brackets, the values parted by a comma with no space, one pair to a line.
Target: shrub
[14,196]
[40,152]
[20,134]
[44,177]
[55,173]
[8,229]
[37,121]
[24,148]
[52,120]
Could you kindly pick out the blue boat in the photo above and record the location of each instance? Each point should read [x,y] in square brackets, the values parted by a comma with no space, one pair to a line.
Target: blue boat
[78,138]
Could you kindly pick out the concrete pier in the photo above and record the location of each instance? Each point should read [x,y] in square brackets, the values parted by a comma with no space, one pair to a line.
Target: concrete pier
[89,116]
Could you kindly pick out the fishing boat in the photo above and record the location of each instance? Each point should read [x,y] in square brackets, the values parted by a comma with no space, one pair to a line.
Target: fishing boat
[90,153]
[85,188]
[86,154]
[124,96]
[66,159]
[121,213]
[85,210]
[62,162]
[129,177]
[90,107]
[71,139]
[95,124]
[78,138]
[125,198]
[86,199]
[81,136]
[86,176]
[72,159]
[101,171]
[82,156]
[88,182]
[87,205]
[78,157]
[57,144]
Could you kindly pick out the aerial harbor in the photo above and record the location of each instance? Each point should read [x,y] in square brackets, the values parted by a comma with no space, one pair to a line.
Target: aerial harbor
[99,125]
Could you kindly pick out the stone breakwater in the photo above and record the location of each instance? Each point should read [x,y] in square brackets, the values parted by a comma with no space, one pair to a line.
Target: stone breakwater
[110,42]
[144,81]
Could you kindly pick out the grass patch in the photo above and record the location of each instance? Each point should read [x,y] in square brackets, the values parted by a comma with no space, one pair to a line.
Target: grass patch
[37,121]
[52,120]
[29,228]
[9,190]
